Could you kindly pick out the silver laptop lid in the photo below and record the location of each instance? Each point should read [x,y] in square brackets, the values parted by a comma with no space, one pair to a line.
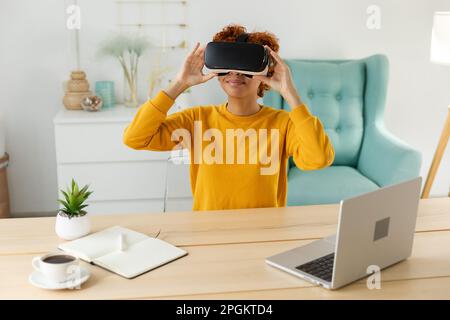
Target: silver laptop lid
[375,229]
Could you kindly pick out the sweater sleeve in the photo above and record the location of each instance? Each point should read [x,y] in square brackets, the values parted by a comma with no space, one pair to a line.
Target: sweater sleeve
[152,128]
[307,141]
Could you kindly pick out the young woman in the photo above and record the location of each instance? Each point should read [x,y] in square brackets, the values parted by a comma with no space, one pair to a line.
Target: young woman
[239,149]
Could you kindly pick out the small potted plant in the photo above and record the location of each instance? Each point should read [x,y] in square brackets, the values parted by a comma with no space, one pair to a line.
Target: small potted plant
[72,221]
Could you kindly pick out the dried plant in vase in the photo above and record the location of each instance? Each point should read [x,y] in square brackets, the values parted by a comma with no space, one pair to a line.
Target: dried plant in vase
[127,49]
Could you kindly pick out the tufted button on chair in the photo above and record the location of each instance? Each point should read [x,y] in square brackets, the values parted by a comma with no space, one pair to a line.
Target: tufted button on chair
[348,96]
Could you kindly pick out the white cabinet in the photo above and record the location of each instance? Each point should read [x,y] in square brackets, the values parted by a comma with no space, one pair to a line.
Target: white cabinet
[89,148]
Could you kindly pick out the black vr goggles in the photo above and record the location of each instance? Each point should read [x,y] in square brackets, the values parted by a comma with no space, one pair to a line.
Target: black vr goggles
[247,58]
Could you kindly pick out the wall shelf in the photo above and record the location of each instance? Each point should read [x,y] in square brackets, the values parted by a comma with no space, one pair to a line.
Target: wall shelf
[181,25]
[153,2]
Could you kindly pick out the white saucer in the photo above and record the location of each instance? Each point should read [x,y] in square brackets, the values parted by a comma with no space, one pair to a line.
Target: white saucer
[37,279]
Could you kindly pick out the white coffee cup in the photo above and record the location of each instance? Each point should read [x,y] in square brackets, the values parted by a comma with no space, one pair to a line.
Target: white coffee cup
[56,267]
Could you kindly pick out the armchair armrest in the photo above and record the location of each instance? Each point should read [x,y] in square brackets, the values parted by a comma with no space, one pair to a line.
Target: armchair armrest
[386,159]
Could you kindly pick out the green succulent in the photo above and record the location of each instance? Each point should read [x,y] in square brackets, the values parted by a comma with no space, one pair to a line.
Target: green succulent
[74,199]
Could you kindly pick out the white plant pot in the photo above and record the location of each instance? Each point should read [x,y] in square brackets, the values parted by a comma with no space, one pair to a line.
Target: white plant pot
[73,228]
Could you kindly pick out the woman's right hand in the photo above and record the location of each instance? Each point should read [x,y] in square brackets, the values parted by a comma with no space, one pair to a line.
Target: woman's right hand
[191,73]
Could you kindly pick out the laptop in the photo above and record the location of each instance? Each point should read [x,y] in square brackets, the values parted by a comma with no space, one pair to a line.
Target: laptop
[375,230]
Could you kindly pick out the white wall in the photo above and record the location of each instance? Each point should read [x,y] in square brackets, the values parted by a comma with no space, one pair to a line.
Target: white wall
[32,55]
[36,59]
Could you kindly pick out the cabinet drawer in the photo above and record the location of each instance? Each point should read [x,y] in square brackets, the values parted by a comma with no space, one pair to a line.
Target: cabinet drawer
[96,142]
[138,206]
[125,206]
[117,181]
[179,204]
[178,180]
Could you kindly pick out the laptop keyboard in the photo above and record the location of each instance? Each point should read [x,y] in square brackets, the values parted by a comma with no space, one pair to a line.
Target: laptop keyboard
[321,268]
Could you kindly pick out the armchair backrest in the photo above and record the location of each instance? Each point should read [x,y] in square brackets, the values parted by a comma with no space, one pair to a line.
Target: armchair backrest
[346,95]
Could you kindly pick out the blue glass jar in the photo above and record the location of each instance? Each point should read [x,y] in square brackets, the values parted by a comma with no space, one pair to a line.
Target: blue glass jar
[105,90]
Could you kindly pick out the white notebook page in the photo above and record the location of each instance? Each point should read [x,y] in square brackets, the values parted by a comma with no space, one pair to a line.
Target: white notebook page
[102,242]
[140,257]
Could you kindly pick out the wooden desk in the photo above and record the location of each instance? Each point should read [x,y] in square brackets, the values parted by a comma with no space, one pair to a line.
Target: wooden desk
[226,256]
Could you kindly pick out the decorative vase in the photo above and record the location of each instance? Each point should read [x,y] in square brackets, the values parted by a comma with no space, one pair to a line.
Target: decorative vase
[78,85]
[130,91]
[72,100]
[78,75]
[77,90]
[72,228]
[105,90]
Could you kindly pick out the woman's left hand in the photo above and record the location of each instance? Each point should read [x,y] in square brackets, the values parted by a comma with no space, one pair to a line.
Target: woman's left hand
[281,79]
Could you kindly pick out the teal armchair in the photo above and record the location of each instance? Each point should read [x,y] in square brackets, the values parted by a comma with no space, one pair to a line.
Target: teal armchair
[348,96]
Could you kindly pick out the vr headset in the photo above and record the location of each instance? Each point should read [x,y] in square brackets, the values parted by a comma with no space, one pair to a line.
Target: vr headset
[247,58]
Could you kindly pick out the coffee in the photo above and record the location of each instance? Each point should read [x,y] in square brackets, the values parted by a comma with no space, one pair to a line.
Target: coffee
[62,258]
[56,267]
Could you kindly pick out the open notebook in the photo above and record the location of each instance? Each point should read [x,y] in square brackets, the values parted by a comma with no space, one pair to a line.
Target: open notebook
[139,254]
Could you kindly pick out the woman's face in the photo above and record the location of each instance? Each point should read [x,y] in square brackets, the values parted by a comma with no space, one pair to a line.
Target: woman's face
[238,86]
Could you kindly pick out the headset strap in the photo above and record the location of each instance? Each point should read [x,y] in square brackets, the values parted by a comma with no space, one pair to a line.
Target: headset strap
[242,37]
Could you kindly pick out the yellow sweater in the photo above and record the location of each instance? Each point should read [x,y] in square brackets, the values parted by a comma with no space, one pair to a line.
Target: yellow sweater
[221,177]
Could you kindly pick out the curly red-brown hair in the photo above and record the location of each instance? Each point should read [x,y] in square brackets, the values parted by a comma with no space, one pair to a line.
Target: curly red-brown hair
[229,34]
